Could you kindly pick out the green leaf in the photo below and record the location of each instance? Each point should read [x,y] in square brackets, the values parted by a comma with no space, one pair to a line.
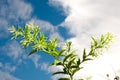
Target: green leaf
[74,66]
[69,45]
[33,51]
[95,42]
[84,54]
[65,70]
[78,62]
[66,57]
[31,37]
[27,31]
[56,62]
[75,70]
[25,43]
[36,31]
[42,37]
[89,78]
[59,63]
[12,29]
[87,59]
[71,62]
[61,72]
[102,38]
[60,53]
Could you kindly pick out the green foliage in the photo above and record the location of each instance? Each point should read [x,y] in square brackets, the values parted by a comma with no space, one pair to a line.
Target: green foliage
[98,45]
[31,36]
[64,79]
[87,78]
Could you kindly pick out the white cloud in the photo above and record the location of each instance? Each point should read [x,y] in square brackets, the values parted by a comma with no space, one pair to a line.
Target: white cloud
[50,69]
[13,50]
[87,15]
[86,18]
[15,9]
[48,29]
[7,76]
[12,12]
[16,12]
[3,27]
[21,9]
[35,58]
[7,67]
[56,77]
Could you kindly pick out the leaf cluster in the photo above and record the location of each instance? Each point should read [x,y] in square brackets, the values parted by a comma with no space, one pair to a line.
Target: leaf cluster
[98,45]
[70,62]
[30,36]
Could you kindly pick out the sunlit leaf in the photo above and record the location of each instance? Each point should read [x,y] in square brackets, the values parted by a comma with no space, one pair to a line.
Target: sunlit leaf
[75,70]
[71,61]
[69,45]
[84,54]
[87,59]
[66,57]
[60,53]
[59,73]
[32,37]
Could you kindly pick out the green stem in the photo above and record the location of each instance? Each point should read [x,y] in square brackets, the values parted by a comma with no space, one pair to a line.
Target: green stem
[71,77]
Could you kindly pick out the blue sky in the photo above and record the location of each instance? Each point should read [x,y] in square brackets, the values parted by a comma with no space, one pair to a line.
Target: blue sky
[14,62]
[76,21]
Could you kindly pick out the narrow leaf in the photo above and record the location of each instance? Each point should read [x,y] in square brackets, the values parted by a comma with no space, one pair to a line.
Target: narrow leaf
[75,70]
[71,61]
[84,54]
[33,51]
[95,42]
[67,57]
[87,59]
[74,66]
[59,73]
[78,62]
[69,45]
[60,53]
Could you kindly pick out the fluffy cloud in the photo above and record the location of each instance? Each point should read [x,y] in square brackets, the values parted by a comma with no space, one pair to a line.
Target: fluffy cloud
[47,28]
[12,12]
[17,12]
[86,18]
[35,58]
[7,76]
[13,50]
[8,68]
[86,15]
[52,69]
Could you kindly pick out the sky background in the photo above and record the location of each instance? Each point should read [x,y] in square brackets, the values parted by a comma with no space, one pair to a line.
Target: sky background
[76,21]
